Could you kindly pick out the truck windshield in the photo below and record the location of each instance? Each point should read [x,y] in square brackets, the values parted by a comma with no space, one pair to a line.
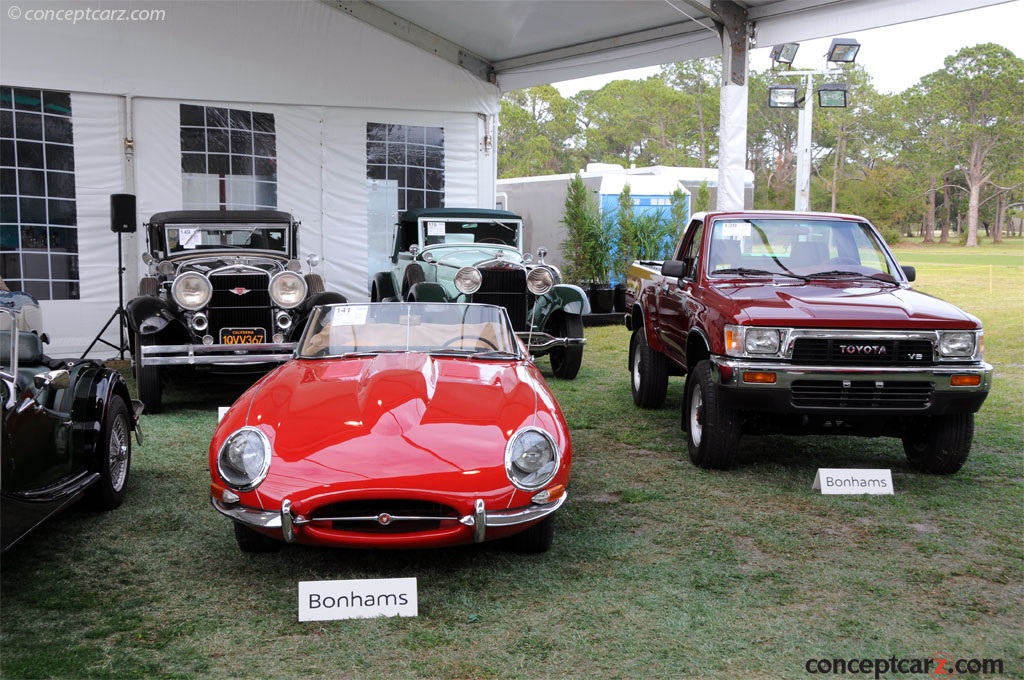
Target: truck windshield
[804,247]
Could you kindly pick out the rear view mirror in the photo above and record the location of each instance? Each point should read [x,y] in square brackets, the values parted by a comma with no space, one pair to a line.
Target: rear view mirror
[909,272]
[673,268]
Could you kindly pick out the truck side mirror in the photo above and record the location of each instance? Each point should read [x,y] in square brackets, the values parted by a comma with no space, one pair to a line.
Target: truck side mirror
[673,268]
[909,272]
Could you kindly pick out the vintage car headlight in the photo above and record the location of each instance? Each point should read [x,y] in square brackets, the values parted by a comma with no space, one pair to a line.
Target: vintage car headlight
[957,344]
[287,289]
[531,458]
[748,340]
[192,291]
[244,458]
[540,280]
[468,280]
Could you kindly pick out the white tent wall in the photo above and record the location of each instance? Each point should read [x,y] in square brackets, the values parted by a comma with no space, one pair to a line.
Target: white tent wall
[99,172]
[322,74]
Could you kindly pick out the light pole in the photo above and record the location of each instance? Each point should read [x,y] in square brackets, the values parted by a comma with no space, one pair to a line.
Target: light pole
[830,95]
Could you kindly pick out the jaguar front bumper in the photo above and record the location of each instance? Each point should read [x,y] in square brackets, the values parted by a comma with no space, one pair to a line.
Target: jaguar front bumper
[480,519]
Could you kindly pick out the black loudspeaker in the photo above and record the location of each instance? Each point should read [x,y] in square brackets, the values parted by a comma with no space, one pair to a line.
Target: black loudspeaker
[122,213]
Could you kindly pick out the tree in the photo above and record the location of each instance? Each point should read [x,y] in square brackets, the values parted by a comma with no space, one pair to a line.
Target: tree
[977,97]
[584,250]
[536,133]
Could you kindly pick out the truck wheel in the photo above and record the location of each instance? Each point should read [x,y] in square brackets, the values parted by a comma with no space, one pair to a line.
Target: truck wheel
[712,430]
[566,361]
[147,380]
[114,456]
[250,541]
[649,372]
[939,445]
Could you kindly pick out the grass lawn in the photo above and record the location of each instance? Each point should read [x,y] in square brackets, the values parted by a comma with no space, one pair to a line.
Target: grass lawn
[659,569]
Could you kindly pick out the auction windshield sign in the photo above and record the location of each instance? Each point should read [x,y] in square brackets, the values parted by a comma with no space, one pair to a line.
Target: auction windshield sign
[357,599]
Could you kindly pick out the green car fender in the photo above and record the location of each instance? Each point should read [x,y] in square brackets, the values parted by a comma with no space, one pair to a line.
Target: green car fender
[427,291]
[562,297]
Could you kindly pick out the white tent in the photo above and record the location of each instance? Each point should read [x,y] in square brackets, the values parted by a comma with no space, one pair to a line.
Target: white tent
[318,75]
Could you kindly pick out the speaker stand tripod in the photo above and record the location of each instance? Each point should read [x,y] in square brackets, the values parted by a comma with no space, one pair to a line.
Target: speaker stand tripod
[119,313]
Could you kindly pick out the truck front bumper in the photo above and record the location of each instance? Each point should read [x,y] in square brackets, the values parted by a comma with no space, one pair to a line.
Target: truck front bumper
[826,390]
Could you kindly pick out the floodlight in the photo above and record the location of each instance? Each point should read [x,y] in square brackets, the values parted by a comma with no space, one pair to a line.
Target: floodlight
[843,50]
[832,96]
[784,53]
[782,97]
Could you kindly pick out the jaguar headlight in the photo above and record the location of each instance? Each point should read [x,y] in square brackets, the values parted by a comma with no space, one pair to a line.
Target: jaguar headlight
[287,289]
[957,344]
[531,458]
[468,280]
[244,459]
[751,341]
[192,291]
[540,280]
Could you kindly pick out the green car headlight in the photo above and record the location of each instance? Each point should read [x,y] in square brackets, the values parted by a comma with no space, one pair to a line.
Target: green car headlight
[540,280]
[468,280]
[244,458]
[192,291]
[287,289]
[531,458]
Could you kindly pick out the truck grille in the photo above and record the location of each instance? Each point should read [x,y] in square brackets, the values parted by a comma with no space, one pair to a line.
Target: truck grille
[881,352]
[505,288]
[864,394]
[240,301]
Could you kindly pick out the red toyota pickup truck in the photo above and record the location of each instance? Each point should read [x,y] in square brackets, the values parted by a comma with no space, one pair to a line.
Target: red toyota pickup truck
[803,323]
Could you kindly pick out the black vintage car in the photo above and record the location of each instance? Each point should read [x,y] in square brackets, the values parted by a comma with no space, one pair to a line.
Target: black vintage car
[225,295]
[65,433]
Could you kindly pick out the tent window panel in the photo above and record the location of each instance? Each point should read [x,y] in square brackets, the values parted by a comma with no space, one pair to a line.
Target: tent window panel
[413,157]
[228,158]
[38,205]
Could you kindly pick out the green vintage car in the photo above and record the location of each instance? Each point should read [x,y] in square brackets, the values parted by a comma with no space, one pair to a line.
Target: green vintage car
[476,255]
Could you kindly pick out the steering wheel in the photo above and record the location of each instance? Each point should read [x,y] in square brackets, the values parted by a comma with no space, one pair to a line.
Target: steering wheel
[459,338]
[491,239]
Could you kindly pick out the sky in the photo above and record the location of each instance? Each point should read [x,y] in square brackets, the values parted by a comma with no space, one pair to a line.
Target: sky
[885,53]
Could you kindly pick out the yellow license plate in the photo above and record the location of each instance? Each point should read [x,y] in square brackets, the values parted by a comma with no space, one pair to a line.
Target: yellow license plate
[242,336]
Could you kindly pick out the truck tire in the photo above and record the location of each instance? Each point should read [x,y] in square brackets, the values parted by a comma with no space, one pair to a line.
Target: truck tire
[939,445]
[566,361]
[712,430]
[648,372]
[148,380]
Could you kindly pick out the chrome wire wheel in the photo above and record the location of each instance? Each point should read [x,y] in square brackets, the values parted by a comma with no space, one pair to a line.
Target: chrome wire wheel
[118,452]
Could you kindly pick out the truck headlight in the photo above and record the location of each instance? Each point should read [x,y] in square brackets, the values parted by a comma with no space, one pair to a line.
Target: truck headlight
[540,280]
[468,280]
[287,289]
[244,458]
[531,458]
[957,344]
[192,291]
[748,340]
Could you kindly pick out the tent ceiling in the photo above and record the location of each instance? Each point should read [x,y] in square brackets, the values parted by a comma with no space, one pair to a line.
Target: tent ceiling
[521,43]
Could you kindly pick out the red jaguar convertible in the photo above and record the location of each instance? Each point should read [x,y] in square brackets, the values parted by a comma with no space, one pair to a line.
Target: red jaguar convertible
[397,425]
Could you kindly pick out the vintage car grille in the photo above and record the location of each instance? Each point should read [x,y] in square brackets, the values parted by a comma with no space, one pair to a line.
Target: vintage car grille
[862,394]
[240,301]
[881,352]
[402,516]
[505,288]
